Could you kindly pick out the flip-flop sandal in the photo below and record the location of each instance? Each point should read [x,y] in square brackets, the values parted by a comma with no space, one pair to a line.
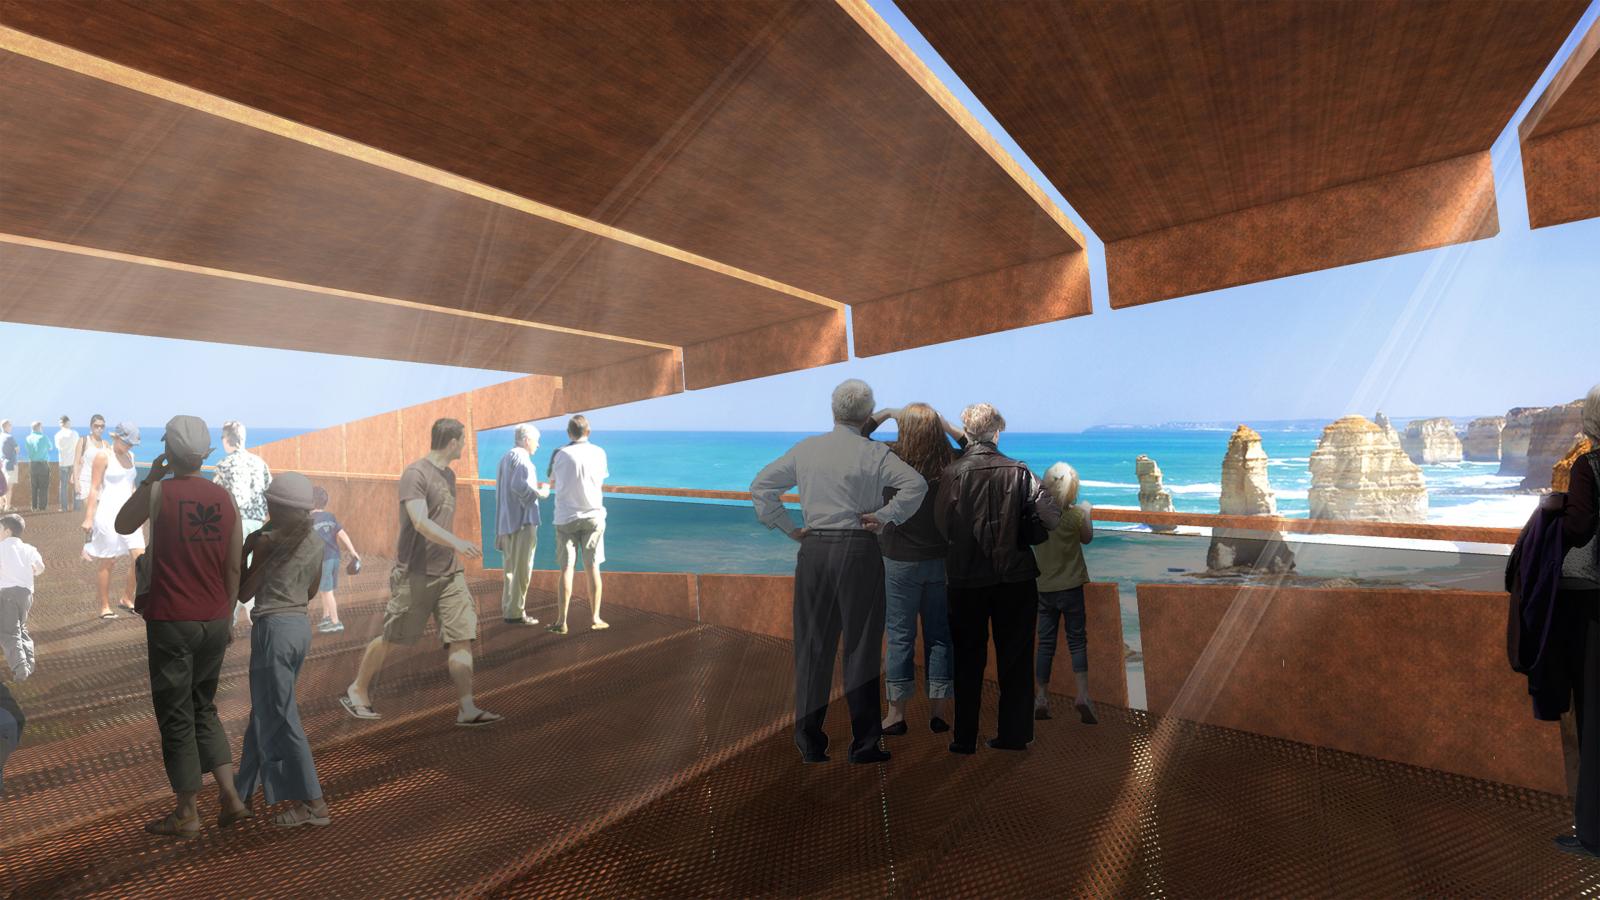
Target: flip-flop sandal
[110,614]
[356,710]
[482,718]
[599,626]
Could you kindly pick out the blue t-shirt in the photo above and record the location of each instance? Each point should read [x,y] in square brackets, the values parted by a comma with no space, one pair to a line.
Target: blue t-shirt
[327,527]
[8,450]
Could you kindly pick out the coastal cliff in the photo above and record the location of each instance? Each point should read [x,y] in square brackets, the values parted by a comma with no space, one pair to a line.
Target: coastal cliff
[1554,431]
[1357,473]
[1245,492]
[1153,497]
[1429,441]
[1482,443]
[1514,439]
[1382,421]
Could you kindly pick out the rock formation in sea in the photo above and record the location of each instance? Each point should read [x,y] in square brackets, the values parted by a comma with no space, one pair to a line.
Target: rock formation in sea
[1554,431]
[1429,441]
[1357,473]
[1482,443]
[1152,496]
[1245,492]
[1382,421]
[1514,439]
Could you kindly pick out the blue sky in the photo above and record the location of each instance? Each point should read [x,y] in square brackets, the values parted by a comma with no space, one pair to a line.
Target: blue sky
[1464,330]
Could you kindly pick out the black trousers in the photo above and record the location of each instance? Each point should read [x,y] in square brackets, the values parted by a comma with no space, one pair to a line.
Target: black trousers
[39,484]
[1585,668]
[185,665]
[838,590]
[1013,610]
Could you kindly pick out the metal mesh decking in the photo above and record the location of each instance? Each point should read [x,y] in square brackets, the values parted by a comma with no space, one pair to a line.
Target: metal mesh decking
[655,759]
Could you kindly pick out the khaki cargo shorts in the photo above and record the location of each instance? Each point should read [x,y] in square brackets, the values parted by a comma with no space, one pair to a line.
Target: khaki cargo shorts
[587,535]
[413,597]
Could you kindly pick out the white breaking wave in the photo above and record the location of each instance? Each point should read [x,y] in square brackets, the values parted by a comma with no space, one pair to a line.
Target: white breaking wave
[1292,494]
[1290,461]
[1483,481]
[1497,512]
[1108,484]
[1212,488]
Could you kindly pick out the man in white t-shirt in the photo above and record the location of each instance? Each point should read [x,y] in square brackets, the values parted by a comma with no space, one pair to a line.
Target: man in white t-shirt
[576,474]
[66,455]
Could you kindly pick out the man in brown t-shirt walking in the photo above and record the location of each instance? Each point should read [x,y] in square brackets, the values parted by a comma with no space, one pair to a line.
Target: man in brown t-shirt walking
[426,580]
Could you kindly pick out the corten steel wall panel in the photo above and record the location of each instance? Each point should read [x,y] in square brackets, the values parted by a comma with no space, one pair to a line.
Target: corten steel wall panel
[369,510]
[280,456]
[1156,114]
[667,593]
[651,376]
[416,432]
[1029,294]
[1418,677]
[66,289]
[322,451]
[95,164]
[817,340]
[372,446]
[778,137]
[763,604]
[1561,140]
[1562,172]
[516,401]
[1449,202]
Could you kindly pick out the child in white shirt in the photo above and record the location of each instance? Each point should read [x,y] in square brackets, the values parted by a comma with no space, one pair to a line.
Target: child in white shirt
[19,563]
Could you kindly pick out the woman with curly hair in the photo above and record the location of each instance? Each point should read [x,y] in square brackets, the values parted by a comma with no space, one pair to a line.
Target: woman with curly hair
[913,565]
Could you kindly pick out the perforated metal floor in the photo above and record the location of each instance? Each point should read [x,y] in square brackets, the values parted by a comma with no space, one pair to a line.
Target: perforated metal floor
[654,760]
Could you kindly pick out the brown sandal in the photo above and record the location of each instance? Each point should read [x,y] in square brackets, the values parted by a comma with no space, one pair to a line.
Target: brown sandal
[225,818]
[172,826]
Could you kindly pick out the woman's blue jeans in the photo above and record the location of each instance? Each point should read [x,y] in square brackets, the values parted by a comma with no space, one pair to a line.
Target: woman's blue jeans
[917,589]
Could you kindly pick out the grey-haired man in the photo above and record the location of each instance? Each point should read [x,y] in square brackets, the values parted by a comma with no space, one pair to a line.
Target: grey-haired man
[838,576]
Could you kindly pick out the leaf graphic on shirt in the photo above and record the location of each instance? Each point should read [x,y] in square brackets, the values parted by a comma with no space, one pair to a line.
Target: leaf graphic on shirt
[206,521]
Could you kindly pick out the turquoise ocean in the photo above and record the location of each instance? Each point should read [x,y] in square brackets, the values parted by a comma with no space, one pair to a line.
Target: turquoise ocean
[649,534]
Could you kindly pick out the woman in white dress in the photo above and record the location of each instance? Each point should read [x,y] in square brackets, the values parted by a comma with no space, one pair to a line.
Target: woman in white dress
[88,447]
[112,480]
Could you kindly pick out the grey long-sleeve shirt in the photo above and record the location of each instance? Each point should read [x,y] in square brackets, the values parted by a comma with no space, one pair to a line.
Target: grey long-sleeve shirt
[841,476]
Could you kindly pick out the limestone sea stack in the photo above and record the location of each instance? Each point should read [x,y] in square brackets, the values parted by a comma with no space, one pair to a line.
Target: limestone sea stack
[1514,439]
[1382,421]
[1429,441]
[1482,443]
[1554,432]
[1153,497]
[1357,473]
[1245,492]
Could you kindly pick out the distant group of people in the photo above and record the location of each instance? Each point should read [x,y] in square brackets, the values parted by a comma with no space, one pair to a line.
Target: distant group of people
[957,537]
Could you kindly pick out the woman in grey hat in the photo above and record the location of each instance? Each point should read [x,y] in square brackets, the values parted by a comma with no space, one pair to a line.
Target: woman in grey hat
[283,573]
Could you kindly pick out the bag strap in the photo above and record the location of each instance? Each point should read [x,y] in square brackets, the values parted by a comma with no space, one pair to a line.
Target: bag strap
[155,510]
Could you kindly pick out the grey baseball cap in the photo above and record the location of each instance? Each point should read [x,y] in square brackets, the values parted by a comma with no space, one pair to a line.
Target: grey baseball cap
[291,489]
[128,432]
[187,436]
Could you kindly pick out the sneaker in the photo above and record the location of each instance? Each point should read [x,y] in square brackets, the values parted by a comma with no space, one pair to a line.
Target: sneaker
[328,627]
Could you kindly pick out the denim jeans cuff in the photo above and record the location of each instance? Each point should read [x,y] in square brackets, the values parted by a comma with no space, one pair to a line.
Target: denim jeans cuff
[939,690]
[901,690]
